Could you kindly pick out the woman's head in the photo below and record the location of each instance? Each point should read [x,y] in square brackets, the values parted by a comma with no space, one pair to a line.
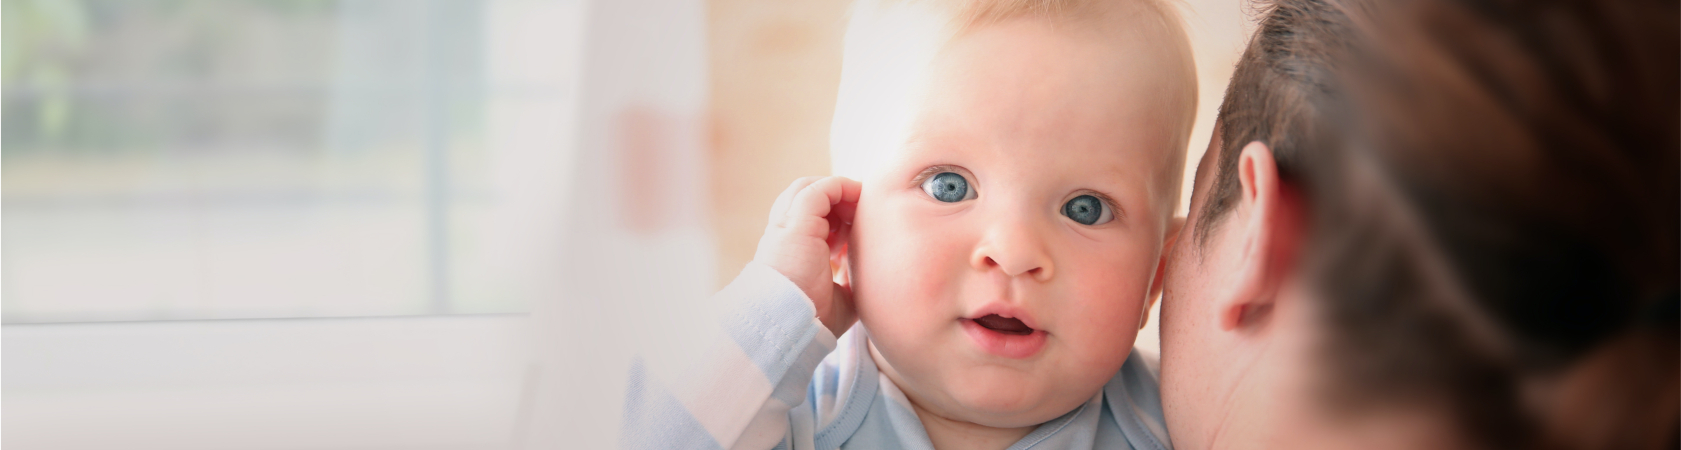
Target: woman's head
[1479,200]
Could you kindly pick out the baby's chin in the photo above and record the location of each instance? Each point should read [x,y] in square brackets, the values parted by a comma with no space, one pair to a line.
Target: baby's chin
[1004,401]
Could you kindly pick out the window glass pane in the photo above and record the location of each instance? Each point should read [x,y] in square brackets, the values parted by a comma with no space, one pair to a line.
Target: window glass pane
[197,159]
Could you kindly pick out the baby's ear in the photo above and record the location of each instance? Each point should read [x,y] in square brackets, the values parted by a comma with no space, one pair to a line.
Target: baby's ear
[839,267]
[1174,227]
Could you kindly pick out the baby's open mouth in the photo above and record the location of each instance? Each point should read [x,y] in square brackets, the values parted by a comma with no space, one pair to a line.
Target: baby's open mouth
[1001,324]
[1007,337]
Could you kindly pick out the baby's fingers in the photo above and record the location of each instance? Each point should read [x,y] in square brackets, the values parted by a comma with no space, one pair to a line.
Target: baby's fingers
[810,212]
[779,210]
[818,200]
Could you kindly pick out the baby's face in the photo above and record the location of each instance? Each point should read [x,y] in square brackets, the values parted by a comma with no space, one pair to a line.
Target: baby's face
[1004,257]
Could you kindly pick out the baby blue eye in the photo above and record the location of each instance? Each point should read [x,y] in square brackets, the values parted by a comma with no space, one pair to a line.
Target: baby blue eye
[948,187]
[1087,210]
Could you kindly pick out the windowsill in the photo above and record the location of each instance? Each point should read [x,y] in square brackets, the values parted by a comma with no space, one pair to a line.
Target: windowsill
[443,382]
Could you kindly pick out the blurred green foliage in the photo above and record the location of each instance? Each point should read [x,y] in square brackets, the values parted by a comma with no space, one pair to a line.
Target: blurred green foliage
[42,39]
[109,74]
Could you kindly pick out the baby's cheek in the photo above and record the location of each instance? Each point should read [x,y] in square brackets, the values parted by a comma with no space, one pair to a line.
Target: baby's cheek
[918,252]
[901,267]
[1108,307]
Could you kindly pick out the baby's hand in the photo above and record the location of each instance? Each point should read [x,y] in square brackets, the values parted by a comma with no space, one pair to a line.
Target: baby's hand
[809,226]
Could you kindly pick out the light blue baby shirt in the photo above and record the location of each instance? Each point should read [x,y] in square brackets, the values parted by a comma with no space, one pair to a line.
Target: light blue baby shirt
[773,377]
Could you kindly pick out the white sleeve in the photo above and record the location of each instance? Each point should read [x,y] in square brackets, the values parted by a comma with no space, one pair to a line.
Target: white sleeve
[733,388]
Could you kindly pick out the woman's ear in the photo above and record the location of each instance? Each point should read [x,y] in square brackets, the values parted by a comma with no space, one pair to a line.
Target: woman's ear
[1264,224]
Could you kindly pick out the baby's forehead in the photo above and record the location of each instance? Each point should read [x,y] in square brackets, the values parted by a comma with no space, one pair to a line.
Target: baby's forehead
[1119,79]
[1039,77]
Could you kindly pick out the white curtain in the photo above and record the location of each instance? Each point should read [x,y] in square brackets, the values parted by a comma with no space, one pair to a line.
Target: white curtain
[636,249]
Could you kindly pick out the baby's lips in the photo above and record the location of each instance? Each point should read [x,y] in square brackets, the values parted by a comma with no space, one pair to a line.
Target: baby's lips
[1003,324]
[1005,310]
[1013,346]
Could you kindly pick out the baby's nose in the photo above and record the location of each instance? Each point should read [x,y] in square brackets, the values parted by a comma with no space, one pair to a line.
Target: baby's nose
[1014,249]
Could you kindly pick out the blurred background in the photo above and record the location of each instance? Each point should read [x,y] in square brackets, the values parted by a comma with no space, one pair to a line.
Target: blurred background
[376,224]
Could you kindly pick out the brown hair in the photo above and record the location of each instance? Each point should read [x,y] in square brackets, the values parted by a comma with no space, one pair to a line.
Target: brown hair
[1493,205]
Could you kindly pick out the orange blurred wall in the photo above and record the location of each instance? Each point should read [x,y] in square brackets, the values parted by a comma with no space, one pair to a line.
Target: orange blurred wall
[775,66]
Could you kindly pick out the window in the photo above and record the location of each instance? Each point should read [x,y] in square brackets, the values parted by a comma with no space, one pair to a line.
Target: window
[210,159]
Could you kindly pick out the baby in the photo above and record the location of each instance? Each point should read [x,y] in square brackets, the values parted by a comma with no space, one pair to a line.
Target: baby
[1020,163]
